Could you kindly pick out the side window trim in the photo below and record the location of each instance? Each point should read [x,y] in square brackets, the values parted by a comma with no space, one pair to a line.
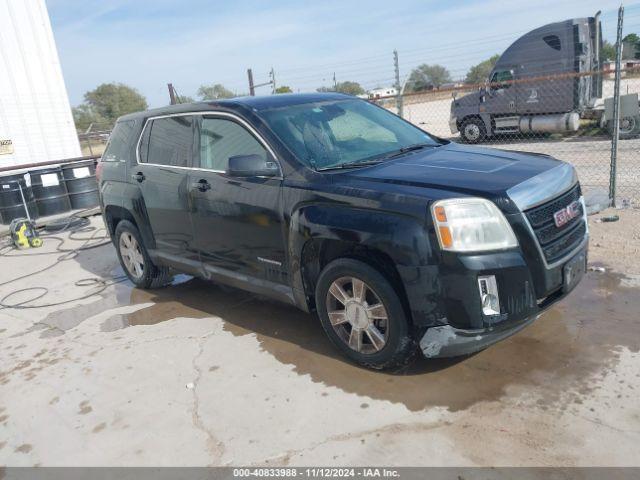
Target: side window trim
[198,119]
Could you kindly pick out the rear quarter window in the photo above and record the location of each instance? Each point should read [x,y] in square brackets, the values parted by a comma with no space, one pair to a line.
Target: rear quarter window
[119,148]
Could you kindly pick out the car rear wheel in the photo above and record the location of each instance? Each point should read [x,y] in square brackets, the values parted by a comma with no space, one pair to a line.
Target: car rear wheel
[362,315]
[472,130]
[135,260]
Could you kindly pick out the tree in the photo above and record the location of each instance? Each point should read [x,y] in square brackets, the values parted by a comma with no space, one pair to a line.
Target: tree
[631,47]
[214,92]
[480,72]
[84,117]
[284,89]
[184,99]
[608,51]
[346,87]
[426,77]
[112,100]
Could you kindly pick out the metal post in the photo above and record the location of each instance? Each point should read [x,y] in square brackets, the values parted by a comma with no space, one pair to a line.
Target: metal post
[396,65]
[252,90]
[616,112]
[24,202]
[172,93]
[272,74]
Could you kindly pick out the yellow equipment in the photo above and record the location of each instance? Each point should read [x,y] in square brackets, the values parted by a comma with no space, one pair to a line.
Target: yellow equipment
[23,230]
[24,234]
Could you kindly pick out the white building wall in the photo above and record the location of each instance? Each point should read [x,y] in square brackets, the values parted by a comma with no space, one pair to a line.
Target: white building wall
[35,115]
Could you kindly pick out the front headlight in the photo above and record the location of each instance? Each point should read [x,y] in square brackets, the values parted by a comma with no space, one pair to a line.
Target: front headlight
[471,225]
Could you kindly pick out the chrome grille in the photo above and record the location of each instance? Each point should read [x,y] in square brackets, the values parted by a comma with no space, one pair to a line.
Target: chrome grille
[556,242]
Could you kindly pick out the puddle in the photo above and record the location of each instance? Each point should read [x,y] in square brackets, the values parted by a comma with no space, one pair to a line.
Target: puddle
[560,353]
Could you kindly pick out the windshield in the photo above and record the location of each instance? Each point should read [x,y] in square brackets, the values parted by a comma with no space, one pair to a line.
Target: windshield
[342,132]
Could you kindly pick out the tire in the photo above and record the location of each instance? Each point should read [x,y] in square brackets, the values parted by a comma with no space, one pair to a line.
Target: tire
[629,127]
[356,321]
[146,274]
[472,130]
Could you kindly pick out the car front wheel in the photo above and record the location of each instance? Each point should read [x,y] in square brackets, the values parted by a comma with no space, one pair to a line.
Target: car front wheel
[363,315]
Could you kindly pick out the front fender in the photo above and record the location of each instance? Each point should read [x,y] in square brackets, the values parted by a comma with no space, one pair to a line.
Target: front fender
[401,238]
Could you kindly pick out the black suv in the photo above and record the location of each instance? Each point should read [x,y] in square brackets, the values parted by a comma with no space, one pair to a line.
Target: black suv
[397,239]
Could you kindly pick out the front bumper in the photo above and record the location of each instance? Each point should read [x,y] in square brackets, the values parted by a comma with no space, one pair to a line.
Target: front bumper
[521,308]
[447,341]
[453,125]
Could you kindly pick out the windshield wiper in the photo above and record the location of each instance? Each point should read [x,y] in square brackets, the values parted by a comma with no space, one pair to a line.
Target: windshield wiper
[356,163]
[409,148]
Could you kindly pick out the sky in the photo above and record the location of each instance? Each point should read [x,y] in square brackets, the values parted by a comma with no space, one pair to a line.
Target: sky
[149,43]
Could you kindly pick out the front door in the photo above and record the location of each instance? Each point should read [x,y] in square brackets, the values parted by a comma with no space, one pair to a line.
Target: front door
[237,221]
[165,156]
[502,93]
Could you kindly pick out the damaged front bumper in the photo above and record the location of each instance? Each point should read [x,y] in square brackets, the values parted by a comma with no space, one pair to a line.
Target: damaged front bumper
[521,309]
[447,341]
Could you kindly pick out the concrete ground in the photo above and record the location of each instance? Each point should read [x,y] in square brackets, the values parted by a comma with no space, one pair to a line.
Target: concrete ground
[198,374]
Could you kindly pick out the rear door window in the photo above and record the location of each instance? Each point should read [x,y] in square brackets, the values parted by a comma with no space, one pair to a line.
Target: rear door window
[221,139]
[119,147]
[168,141]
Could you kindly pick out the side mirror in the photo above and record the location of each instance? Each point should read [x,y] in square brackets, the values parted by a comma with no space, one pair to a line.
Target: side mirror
[252,166]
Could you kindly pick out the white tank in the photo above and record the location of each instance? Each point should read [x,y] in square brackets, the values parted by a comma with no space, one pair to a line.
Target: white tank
[36,124]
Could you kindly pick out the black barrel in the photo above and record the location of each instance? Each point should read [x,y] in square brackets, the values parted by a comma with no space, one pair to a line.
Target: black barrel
[11,204]
[50,190]
[82,186]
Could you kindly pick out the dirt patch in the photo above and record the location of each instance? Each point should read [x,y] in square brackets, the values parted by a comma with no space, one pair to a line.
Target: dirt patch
[616,245]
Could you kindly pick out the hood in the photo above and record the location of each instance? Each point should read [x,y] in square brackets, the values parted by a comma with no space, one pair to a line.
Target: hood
[485,172]
[468,100]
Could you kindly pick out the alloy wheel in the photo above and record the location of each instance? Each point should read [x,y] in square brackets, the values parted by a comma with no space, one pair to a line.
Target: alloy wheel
[357,315]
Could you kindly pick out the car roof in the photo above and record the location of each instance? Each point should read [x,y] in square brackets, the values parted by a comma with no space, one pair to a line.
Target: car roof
[253,103]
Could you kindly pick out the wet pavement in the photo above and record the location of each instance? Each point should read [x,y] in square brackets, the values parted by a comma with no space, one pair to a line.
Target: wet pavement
[239,378]
[559,353]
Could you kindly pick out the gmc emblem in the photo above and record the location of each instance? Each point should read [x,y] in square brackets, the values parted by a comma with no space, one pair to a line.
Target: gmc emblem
[571,211]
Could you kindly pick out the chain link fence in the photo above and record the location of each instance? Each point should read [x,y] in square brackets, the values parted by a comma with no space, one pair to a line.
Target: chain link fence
[557,110]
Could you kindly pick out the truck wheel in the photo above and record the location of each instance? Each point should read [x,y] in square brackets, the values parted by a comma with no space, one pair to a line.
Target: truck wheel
[362,315]
[472,130]
[628,127]
[135,260]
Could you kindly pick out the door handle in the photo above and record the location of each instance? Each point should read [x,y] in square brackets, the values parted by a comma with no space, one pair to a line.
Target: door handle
[201,185]
[139,177]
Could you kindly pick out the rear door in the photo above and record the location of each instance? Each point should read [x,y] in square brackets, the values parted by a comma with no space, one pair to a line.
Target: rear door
[165,154]
[237,221]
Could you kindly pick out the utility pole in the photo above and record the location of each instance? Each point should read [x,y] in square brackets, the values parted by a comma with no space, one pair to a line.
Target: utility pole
[616,111]
[396,66]
[335,83]
[172,94]
[272,74]
[252,88]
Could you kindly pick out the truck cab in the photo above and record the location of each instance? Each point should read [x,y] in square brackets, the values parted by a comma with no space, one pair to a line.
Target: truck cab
[542,83]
